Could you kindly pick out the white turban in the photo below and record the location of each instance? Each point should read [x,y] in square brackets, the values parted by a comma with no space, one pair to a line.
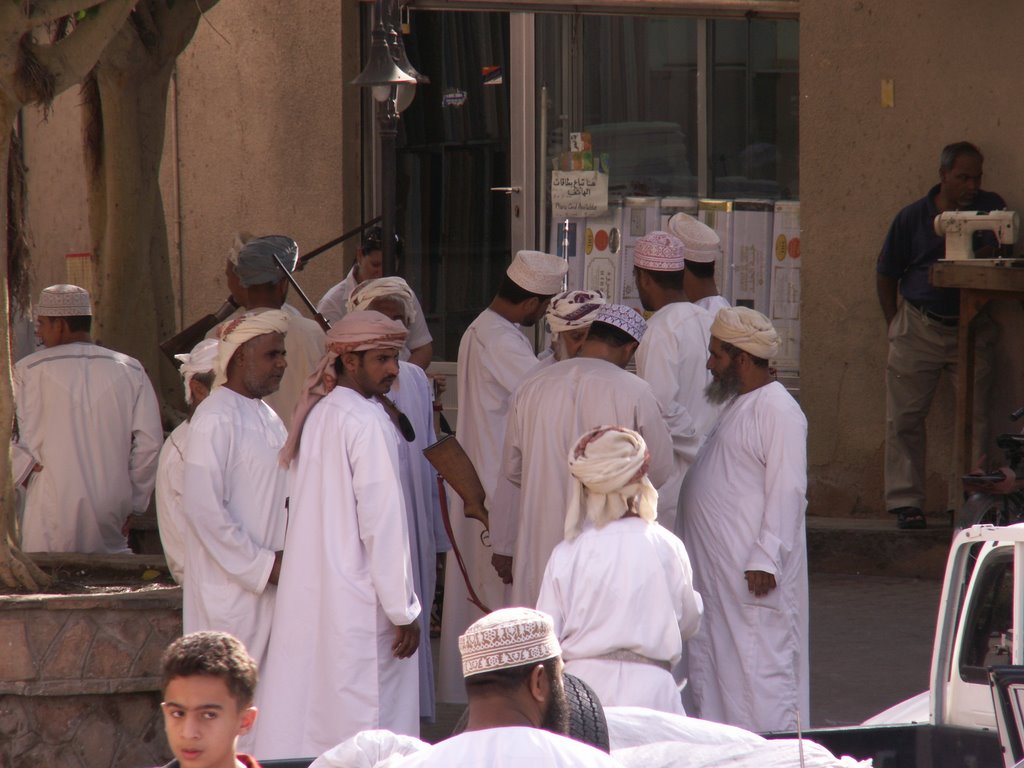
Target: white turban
[201,359]
[384,288]
[570,310]
[748,330]
[609,467]
[253,258]
[234,333]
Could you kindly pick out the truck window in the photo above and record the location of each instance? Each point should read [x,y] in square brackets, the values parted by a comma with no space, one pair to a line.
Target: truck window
[988,631]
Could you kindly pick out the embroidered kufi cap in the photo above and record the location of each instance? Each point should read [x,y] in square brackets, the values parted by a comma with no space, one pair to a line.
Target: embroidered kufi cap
[700,242]
[63,301]
[624,318]
[659,252]
[537,272]
[507,638]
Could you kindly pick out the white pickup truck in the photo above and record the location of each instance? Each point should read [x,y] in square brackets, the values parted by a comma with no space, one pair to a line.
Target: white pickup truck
[954,723]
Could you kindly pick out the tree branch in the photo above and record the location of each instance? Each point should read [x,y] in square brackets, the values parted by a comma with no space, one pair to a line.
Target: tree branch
[72,58]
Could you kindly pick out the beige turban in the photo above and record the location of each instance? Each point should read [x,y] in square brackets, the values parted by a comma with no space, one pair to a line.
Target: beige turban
[234,333]
[201,359]
[609,467]
[748,330]
[381,288]
[508,638]
[573,309]
[355,332]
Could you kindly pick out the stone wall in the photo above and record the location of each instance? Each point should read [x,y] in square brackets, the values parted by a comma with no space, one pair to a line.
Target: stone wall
[79,678]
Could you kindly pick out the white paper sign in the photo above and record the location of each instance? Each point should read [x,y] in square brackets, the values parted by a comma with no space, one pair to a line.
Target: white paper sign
[578,193]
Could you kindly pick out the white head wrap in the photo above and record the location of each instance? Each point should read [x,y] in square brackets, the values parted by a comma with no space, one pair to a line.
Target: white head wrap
[63,301]
[253,258]
[748,330]
[201,359]
[384,288]
[234,333]
[700,242]
[570,310]
[609,467]
[537,272]
[508,638]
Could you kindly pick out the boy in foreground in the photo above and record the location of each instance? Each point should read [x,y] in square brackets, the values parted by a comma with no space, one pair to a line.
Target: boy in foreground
[209,681]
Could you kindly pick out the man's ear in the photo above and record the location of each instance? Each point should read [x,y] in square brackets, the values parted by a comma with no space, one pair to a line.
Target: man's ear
[539,684]
[248,720]
[350,361]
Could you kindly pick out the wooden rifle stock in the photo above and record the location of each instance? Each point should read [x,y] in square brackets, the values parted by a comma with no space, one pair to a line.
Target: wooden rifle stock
[186,339]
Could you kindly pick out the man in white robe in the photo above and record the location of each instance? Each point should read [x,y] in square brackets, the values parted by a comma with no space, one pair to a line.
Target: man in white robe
[369,265]
[518,709]
[197,371]
[346,629]
[742,512]
[672,356]
[620,587]
[235,490]
[412,393]
[89,433]
[547,413]
[702,248]
[258,285]
[494,357]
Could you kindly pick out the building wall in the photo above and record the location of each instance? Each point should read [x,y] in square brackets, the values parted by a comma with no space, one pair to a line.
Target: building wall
[956,77]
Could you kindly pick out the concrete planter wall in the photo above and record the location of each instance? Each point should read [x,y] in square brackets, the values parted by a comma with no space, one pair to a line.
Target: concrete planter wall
[79,678]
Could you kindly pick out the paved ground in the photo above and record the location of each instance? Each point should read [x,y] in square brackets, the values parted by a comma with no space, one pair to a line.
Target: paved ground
[871,644]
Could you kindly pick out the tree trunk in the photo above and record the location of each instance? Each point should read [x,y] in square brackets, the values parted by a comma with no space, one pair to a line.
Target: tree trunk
[134,302]
[16,570]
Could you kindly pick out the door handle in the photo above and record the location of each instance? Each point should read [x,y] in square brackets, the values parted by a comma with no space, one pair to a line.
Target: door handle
[507,190]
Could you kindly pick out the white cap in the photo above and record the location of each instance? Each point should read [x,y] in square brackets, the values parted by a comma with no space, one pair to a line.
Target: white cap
[537,272]
[700,242]
[507,638]
[63,301]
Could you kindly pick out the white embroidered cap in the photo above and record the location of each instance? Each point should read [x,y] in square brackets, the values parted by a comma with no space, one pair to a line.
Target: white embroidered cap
[659,252]
[63,301]
[537,272]
[700,242]
[507,638]
[624,318]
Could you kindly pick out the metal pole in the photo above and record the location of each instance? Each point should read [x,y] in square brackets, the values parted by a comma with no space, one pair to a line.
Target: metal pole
[388,140]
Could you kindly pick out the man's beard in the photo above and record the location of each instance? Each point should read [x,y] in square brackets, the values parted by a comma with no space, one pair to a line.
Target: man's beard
[556,719]
[725,387]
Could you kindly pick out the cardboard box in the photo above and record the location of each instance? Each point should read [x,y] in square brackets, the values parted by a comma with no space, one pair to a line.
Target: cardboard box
[641,215]
[602,247]
[718,215]
[566,241]
[751,254]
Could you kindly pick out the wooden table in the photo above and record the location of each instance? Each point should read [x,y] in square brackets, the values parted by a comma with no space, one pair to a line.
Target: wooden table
[980,281]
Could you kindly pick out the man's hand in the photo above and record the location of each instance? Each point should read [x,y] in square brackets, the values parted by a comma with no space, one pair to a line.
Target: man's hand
[407,640]
[760,582]
[275,571]
[503,565]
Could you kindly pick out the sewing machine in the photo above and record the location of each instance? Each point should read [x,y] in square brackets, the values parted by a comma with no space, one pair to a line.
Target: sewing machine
[959,227]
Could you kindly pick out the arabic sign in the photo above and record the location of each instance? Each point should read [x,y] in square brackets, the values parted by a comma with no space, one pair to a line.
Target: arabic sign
[578,193]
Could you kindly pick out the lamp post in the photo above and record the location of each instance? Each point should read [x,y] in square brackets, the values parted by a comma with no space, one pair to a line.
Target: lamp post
[392,80]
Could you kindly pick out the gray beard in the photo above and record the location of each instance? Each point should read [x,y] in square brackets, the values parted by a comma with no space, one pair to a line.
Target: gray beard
[721,390]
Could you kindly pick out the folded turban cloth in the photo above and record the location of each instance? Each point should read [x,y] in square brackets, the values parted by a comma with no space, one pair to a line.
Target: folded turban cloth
[508,638]
[384,288]
[234,333]
[573,309]
[746,329]
[201,359]
[355,332]
[609,467]
[659,252]
[253,258]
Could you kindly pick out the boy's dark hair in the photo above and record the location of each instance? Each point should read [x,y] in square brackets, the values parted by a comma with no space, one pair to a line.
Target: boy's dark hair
[206,378]
[373,240]
[702,269]
[515,294]
[212,654]
[668,281]
[508,679]
[79,323]
[609,334]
